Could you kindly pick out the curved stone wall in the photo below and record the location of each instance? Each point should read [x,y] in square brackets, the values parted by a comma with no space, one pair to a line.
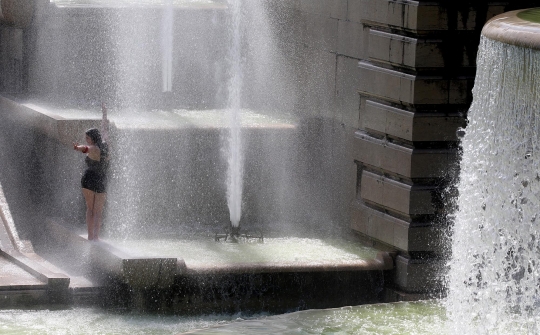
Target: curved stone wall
[519,27]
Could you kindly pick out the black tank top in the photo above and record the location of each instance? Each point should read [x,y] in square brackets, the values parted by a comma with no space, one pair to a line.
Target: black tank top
[96,166]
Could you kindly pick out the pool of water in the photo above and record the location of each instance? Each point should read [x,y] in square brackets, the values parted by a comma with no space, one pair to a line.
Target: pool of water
[424,318]
[411,318]
[98,321]
[531,15]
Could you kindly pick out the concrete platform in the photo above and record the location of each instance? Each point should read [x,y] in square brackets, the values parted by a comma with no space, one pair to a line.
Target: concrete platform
[202,255]
[135,270]
[205,256]
[12,277]
[28,279]
[204,276]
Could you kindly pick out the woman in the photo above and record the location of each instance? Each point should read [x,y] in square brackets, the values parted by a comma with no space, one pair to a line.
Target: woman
[94,180]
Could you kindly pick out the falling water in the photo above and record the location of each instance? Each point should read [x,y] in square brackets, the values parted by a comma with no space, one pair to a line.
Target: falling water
[235,150]
[167,45]
[494,276]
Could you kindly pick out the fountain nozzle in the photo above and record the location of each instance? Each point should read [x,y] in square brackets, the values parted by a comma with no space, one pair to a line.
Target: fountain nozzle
[235,230]
[233,234]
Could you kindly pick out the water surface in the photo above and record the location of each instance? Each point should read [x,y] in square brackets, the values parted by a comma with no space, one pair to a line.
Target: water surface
[97,321]
[423,318]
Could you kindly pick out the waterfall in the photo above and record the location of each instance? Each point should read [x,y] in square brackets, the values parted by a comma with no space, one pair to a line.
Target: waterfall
[494,272]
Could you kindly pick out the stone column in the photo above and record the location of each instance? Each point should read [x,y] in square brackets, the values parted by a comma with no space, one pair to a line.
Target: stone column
[415,89]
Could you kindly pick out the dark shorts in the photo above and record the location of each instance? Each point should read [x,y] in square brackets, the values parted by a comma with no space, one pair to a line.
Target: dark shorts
[93,181]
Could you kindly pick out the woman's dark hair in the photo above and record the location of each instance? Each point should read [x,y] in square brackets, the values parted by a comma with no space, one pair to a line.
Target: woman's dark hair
[95,135]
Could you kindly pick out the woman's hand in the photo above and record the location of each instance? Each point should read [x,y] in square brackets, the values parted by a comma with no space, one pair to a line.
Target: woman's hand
[82,148]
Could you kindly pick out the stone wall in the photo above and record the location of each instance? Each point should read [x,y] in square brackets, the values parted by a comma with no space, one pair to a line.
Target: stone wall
[398,80]
[415,87]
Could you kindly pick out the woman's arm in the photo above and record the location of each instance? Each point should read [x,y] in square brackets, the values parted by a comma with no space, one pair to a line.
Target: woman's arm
[92,150]
[82,148]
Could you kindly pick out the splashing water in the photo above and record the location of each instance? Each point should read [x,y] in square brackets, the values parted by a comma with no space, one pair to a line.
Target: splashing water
[235,150]
[494,276]
[167,45]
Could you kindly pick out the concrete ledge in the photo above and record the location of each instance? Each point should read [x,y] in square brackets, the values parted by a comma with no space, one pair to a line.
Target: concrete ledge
[395,49]
[410,89]
[138,272]
[520,28]
[56,282]
[406,162]
[46,122]
[410,126]
[414,53]
[383,261]
[23,298]
[393,295]
[419,275]
[421,16]
[406,236]
[9,238]
[396,196]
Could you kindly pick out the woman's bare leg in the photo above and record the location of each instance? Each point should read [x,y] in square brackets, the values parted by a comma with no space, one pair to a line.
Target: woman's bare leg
[99,203]
[89,197]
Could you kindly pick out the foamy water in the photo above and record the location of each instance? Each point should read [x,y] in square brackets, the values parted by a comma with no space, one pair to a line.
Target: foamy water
[420,318]
[494,275]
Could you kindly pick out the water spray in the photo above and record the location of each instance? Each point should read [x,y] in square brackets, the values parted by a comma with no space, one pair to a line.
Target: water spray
[167,46]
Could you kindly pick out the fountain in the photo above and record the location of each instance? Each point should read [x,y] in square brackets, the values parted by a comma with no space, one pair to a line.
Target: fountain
[226,117]
[234,101]
[208,129]
[493,273]
[495,248]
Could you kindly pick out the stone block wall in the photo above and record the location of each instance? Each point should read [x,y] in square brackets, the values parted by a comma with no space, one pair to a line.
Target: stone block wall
[416,77]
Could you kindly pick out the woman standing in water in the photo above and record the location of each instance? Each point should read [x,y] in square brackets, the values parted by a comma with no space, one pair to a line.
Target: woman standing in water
[94,180]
